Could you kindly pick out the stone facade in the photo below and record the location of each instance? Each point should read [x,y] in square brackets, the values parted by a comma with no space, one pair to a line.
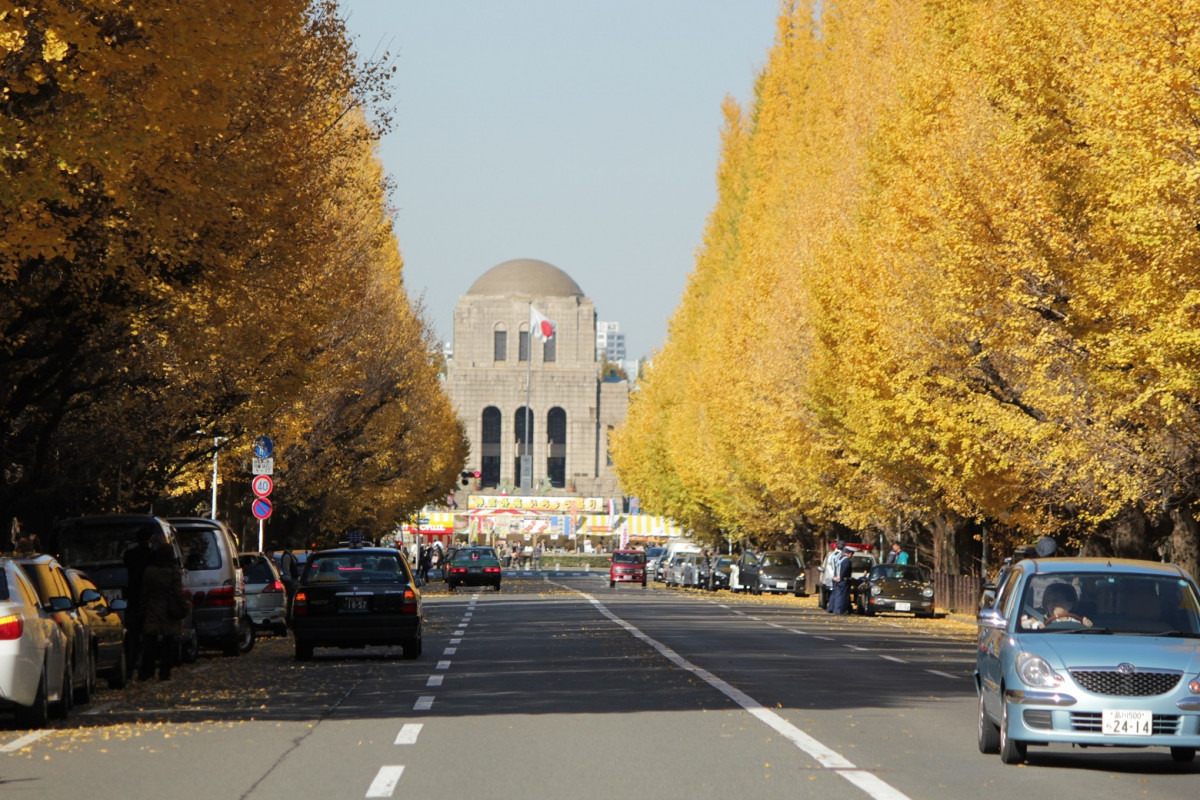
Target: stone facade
[571,409]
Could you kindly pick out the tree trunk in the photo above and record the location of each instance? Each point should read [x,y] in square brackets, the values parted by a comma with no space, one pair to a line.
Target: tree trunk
[953,546]
[1183,546]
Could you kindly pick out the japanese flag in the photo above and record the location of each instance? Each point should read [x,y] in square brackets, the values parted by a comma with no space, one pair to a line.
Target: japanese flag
[541,327]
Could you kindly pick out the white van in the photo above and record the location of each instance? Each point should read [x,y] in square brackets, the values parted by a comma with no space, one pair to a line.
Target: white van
[673,549]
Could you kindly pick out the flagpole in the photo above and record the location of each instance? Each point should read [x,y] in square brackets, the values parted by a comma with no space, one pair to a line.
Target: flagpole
[528,384]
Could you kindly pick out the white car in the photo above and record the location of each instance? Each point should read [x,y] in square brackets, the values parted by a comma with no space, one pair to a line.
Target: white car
[34,677]
[266,601]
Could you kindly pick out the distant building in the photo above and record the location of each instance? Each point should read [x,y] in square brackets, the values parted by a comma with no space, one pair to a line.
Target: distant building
[610,342]
[572,410]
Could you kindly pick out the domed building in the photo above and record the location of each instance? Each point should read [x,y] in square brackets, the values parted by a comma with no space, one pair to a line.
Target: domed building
[572,409]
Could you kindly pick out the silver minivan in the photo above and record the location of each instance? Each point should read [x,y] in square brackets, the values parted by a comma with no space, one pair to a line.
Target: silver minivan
[215,582]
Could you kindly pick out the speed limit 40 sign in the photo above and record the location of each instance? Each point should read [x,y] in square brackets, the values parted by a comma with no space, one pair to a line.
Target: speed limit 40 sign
[262,485]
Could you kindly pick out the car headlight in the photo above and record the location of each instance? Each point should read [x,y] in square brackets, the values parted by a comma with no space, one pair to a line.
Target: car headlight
[1035,671]
[927,591]
[876,591]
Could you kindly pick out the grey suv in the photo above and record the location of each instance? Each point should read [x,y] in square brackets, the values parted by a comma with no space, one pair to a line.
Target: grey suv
[215,581]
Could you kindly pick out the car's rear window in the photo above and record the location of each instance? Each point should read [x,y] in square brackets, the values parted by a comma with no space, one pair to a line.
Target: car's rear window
[343,567]
[199,545]
[257,570]
[101,543]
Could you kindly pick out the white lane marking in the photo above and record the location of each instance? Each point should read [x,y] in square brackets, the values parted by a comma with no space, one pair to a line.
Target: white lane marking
[434,680]
[722,605]
[741,613]
[859,649]
[893,658]
[824,638]
[409,733]
[449,651]
[798,633]
[385,781]
[943,674]
[424,703]
[443,665]
[28,738]
[757,619]
[867,781]
[775,625]
[456,641]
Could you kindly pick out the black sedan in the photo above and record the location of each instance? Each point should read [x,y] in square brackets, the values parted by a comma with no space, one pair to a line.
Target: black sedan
[897,587]
[718,573]
[356,597]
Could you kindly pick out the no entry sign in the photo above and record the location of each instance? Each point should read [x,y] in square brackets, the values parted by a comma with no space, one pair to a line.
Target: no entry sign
[261,507]
[262,485]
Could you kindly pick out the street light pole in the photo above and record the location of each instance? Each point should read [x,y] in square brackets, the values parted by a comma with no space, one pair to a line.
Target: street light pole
[217,440]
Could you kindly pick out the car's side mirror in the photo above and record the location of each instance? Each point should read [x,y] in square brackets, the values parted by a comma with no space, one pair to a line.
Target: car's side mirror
[88,596]
[991,618]
[61,604]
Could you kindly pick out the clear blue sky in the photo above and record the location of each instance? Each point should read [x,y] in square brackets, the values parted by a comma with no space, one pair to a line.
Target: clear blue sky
[585,133]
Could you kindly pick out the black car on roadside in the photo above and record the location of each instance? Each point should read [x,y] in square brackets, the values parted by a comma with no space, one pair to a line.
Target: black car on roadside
[356,597]
[906,588]
[718,572]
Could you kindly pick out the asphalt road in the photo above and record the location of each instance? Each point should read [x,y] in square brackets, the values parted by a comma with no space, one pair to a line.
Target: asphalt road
[564,688]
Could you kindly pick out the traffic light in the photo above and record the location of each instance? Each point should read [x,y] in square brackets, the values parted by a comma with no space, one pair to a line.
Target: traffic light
[469,475]
[466,478]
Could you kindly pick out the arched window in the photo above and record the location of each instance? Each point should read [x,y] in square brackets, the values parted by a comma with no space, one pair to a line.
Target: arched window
[489,447]
[556,455]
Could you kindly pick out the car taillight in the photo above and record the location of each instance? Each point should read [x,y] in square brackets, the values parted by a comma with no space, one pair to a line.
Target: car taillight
[11,627]
[300,604]
[219,597]
[491,569]
[457,570]
[409,606]
[273,588]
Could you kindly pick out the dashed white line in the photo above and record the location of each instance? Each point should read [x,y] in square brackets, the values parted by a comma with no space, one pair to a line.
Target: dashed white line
[859,649]
[385,781]
[893,658]
[824,638]
[943,674]
[434,680]
[798,633]
[28,738]
[449,651]
[424,703]
[409,733]
[443,665]
[456,641]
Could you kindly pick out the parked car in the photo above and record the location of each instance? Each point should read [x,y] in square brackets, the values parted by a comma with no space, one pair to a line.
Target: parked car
[694,571]
[474,566]
[216,584]
[718,574]
[746,563]
[653,556]
[1093,652]
[54,591]
[105,547]
[266,601]
[35,682]
[778,571]
[355,597]
[897,587]
[627,566]
[107,629]
[673,574]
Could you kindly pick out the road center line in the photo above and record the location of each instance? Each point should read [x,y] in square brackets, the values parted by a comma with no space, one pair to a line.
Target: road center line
[424,703]
[943,674]
[449,651]
[867,781]
[443,665]
[385,781]
[408,733]
[893,658]
[434,680]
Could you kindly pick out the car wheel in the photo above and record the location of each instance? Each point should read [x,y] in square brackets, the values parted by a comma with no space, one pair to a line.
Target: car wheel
[412,649]
[62,709]
[1183,754]
[189,649]
[612,584]
[116,676]
[1011,751]
[643,584]
[304,651]
[83,694]
[497,587]
[37,713]
[988,734]
[246,643]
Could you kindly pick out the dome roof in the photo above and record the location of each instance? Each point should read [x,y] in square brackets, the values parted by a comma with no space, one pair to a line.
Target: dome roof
[527,277]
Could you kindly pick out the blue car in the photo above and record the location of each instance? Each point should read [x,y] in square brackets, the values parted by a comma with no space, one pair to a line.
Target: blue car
[1091,652]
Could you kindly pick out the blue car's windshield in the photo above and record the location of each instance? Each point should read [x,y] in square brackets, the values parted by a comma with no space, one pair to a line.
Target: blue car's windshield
[1116,602]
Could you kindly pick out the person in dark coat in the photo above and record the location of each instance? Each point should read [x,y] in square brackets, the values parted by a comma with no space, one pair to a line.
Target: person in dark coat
[136,559]
[840,601]
[161,628]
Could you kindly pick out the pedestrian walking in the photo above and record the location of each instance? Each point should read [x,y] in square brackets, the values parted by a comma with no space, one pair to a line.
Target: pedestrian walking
[426,563]
[537,556]
[289,573]
[165,605]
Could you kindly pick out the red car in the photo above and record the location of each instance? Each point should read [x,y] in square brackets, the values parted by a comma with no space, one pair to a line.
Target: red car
[627,566]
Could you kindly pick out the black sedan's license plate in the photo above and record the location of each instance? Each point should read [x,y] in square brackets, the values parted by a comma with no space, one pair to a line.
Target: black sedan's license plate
[354,604]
